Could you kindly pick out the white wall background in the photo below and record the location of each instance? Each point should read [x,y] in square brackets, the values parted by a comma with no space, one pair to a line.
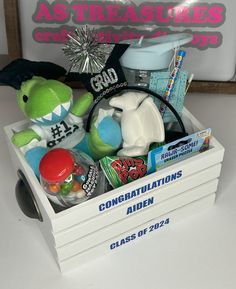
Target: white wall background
[3,38]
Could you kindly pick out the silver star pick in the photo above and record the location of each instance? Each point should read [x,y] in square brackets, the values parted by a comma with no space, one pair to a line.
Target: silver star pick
[85,53]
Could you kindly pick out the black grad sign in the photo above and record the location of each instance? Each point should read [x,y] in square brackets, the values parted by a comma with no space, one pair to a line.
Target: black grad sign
[110,79]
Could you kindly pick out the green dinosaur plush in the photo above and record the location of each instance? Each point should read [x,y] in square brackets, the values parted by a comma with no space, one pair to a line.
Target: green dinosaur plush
[49,106]
[57,121]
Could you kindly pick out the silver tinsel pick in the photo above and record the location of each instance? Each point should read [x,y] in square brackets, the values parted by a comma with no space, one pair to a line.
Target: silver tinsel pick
[85,53]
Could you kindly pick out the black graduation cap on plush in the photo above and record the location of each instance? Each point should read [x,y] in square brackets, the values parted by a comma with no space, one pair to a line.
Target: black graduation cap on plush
[111,63]
[21,70]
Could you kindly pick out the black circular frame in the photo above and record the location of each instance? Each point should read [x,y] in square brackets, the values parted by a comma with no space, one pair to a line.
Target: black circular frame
[143,89]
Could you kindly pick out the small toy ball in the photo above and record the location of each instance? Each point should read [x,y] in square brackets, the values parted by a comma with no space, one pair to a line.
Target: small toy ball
[68,177]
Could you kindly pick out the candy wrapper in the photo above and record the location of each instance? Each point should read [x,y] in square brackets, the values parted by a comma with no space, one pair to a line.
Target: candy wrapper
[122,170]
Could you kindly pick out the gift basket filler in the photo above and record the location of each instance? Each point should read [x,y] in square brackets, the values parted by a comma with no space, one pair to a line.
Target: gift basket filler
[120,160]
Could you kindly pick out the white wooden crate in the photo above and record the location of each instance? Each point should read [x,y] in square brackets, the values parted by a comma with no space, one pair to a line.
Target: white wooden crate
[77,230]
[117,228]
[102,220]
[139,233]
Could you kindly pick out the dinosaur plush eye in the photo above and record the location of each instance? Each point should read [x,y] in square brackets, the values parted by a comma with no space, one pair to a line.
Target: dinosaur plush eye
[25,98]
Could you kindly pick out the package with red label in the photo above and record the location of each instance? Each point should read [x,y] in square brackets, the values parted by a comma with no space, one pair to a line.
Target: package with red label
[123,170]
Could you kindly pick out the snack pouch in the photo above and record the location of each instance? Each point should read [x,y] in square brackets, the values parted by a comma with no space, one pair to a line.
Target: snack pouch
[120,171]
